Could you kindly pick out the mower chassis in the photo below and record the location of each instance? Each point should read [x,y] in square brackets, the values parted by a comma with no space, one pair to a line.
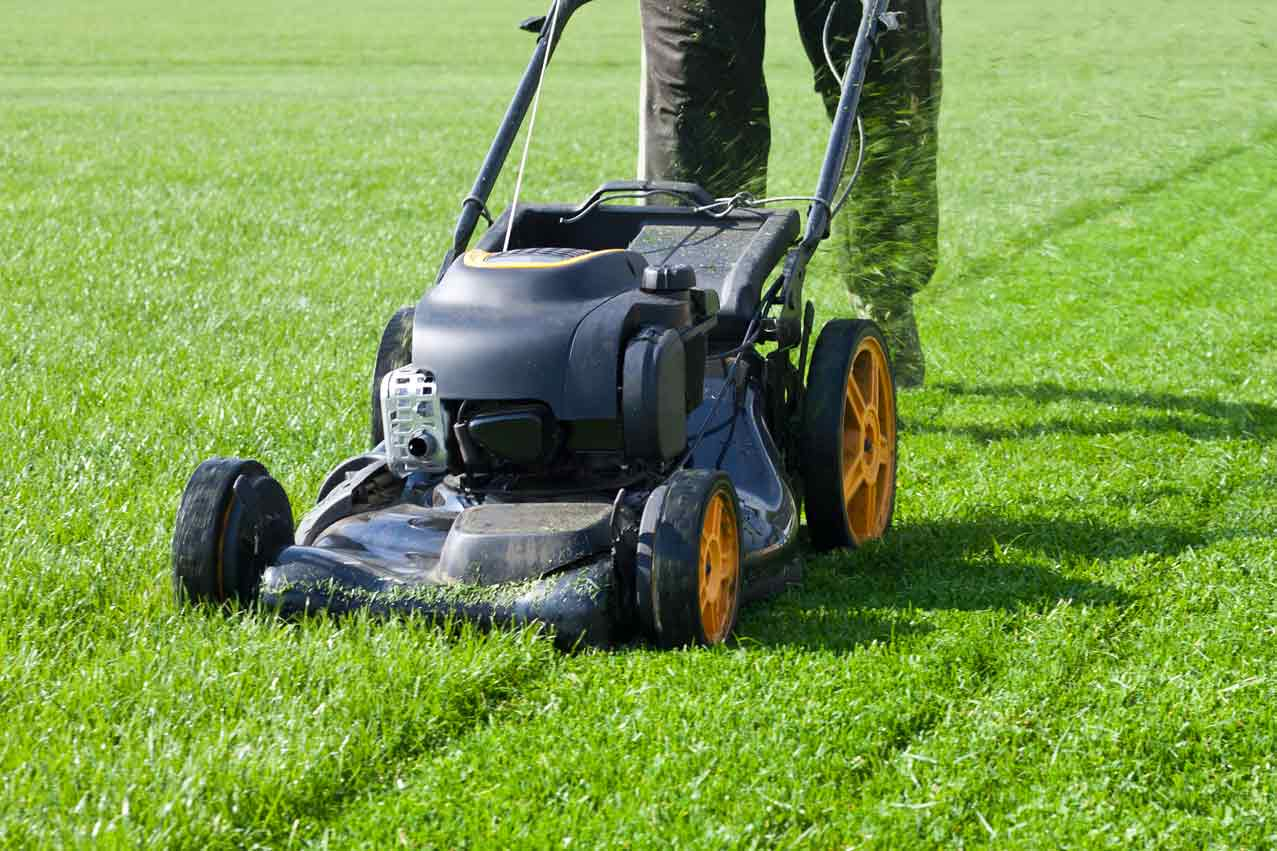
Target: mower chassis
[567,563]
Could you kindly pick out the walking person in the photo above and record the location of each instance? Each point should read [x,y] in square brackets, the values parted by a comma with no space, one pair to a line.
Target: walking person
[705,120]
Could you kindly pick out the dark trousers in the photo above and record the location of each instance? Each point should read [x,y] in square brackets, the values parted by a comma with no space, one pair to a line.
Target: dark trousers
[706,121]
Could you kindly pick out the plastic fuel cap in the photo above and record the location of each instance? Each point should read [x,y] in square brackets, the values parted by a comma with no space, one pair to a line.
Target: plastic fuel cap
[662,279]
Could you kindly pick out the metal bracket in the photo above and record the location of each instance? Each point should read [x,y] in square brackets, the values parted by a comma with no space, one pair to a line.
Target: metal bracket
[613,529]
[892,21]
[483,208]
[342,501]
[809,321]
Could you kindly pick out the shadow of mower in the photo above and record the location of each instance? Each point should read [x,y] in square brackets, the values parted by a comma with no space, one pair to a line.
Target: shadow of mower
[982,563]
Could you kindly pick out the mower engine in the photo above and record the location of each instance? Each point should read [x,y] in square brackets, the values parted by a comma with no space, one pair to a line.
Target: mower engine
[550,362]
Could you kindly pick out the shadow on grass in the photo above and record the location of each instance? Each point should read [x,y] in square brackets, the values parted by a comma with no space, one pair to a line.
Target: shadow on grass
[850,599]
[1196,416]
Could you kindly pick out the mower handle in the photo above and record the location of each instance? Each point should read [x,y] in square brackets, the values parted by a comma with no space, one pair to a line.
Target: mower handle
[673,188]
[569,8]
[819,215]
[475,204]
[821,212]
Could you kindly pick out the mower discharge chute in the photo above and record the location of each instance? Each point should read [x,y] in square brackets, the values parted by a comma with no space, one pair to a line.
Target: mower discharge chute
[597,419]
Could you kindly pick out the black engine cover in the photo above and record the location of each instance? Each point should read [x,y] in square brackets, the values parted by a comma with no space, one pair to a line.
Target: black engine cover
[654,395]
[539,324]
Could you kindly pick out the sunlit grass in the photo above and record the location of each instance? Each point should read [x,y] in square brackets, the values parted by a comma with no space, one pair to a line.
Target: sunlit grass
[207,215]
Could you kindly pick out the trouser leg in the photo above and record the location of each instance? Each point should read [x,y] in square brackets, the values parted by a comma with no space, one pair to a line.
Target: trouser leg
[705,98]
[889,228]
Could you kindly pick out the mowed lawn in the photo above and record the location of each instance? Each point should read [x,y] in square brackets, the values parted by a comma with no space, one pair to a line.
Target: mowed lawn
[1070,639]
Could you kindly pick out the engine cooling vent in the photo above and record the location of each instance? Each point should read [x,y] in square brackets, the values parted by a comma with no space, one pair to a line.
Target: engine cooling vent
[415,422]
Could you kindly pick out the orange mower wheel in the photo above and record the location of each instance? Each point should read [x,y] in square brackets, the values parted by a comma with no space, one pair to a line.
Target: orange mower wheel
[849,436]
[689,571]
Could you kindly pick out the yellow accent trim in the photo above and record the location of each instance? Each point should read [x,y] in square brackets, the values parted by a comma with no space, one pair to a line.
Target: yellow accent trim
[477,258]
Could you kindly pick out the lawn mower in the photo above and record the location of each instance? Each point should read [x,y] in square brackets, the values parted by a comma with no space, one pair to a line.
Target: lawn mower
[595,420]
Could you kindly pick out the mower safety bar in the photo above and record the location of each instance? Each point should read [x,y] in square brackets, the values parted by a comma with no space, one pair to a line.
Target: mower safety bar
[475,204]
[821,212]
[789,326]
[819,215]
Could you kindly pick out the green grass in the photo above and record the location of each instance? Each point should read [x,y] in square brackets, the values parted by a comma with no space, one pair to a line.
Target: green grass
[1070,639]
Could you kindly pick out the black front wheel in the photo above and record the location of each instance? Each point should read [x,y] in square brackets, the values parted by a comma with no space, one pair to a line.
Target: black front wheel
[233,519]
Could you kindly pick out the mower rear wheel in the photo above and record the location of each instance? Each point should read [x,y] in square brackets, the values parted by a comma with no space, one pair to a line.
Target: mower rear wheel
[233,519]
[849,436]
[394,351]
[690,563]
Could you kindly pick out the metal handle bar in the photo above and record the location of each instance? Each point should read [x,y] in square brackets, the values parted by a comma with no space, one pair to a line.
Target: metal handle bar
[820,213]
[473,206]
[687,191]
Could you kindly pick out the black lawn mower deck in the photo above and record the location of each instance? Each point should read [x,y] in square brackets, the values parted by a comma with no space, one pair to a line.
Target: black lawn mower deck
[601,418]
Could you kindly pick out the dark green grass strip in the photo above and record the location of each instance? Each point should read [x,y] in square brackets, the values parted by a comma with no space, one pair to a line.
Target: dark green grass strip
[1012,249]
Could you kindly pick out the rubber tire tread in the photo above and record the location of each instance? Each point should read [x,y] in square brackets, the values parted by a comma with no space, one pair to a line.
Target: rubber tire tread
[676,558]
[394,351]
[198,531]
[266,520]
[822,431]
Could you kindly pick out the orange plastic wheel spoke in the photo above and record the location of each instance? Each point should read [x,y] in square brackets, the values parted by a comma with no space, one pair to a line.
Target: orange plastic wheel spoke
[852,478]
[855,506]
[719,552]
[852,448]
[853,485]
[856,398]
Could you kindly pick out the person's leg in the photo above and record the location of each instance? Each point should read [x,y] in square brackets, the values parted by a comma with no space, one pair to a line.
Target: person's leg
[705,99]
[891,223]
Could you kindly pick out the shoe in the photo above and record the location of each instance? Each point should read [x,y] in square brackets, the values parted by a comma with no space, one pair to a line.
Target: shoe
[905,348]
[893,313]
